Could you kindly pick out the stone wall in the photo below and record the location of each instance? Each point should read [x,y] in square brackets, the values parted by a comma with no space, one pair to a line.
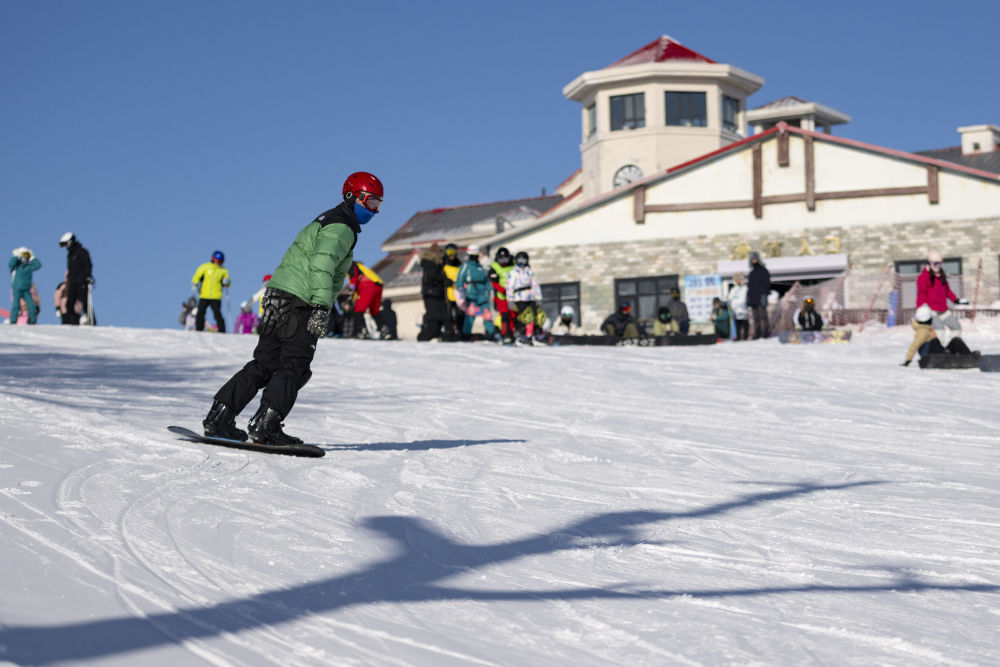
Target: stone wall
[869,249]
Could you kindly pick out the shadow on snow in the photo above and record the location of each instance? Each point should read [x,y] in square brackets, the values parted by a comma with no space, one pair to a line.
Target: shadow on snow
[424,557]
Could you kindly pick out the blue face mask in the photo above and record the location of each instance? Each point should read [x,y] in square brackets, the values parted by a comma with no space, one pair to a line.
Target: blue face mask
[362,214]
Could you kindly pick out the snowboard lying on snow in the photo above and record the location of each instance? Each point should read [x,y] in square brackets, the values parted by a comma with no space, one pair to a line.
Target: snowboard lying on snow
[802,337]
[289,450]
[645,341]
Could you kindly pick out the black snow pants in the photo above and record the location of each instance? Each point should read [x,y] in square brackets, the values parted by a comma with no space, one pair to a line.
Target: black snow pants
[280,364]
[199,318]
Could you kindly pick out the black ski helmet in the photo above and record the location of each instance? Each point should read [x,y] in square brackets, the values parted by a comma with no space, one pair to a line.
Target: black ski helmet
[502,256]
[521,256]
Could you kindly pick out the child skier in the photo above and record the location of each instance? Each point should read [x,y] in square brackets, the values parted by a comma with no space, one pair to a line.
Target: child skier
[246,321]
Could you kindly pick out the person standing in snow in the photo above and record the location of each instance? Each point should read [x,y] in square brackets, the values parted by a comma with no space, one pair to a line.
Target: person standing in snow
[246,321]
[388,327]
[474,284]
[524,293]
[451,266]
[679,312]
[432,289]
[498,272]
[79,278]
[367,288]
[737,300]
[297,306]
[758,288]
[22,268]
[933,290]
[212,278]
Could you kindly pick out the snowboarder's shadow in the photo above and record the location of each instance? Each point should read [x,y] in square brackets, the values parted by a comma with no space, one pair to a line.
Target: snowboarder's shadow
[424,558]
[415,446]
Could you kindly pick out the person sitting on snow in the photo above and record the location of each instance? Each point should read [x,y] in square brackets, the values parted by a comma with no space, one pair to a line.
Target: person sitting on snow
[923,332]
[621,323]
[809,319]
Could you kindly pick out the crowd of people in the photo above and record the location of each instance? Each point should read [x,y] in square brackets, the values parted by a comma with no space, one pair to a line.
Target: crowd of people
[72,298]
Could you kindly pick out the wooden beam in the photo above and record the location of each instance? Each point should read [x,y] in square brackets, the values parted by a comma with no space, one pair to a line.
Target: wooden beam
[639,204]
[873,192]
[782,149]
[933,193]
[699,206]
[758,182]
[810,173]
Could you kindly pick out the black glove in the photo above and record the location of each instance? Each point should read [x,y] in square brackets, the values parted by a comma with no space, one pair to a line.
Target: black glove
[905,363]
[319,321]
[962,302]
[276,306]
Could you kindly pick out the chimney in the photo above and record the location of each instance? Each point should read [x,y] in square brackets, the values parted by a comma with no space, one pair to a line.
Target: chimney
[979,139]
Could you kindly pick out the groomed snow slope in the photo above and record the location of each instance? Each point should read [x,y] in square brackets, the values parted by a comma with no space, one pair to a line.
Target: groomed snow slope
[734,504]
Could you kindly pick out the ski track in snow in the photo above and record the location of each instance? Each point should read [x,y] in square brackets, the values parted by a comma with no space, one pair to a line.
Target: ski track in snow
[734,504]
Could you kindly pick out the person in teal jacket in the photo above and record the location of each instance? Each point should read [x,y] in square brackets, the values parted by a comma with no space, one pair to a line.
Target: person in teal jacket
[22,270]
[296,314]
[474,284]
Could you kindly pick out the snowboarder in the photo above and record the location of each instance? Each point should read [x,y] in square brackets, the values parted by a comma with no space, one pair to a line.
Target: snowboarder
[498,271]
[297,306]
[473,282]
[665,325]
[451,267]
[565,326]
[621,323]
[679,311]
[524,293]
[212,278]
[808,318]
[79,280]
[22,267]
[933,289]
[432,289]
[720,318]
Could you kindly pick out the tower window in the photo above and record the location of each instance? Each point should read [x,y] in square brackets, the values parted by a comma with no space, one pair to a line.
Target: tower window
[628,111]
[591,120]
[730,114]
[686,109]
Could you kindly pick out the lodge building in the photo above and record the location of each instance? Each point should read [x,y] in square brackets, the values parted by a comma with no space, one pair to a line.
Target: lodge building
[673,187]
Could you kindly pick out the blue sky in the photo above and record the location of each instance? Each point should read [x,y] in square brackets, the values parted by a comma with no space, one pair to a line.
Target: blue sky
[158,132]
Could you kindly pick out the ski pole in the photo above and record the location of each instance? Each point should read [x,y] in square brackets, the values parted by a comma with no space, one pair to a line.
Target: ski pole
[229,311]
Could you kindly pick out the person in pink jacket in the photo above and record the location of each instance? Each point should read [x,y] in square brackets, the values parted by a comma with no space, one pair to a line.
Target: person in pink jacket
[933,290]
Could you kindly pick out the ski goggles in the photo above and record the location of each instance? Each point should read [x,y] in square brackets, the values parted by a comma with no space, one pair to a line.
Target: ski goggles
[371,202]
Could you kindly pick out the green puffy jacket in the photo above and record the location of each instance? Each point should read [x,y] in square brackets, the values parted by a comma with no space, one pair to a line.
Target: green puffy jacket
[315,265]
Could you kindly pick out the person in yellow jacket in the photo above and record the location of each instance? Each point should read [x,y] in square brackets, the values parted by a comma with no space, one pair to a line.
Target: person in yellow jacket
[212,278]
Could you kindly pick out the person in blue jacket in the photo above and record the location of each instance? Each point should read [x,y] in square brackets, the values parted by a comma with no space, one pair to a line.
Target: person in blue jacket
[22,269]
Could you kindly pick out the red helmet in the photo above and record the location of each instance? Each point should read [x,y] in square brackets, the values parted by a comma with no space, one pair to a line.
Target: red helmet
[362,181]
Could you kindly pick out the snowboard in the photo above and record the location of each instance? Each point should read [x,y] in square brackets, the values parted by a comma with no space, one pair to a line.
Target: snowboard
[689,339]
[799,337]
[989,363]
[949,361]
[289,450]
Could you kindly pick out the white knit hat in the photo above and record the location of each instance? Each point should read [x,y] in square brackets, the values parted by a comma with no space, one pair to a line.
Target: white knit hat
[924,314]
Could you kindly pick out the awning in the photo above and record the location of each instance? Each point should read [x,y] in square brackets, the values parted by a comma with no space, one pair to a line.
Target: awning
[806,267]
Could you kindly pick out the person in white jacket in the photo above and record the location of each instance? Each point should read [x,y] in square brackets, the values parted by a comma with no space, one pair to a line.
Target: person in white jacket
[737,300]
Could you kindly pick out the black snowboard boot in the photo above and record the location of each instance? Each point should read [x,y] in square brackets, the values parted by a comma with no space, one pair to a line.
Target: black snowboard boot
[221,423]
[265,428]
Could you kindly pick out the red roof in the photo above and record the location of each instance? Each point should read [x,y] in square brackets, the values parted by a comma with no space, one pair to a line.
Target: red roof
[659,50]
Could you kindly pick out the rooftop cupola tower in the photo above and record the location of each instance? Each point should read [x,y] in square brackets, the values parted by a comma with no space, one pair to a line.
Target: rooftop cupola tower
[655,108]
